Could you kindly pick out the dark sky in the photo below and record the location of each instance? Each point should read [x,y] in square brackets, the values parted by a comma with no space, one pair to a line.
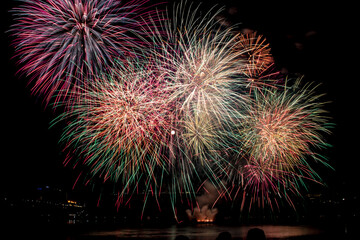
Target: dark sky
[319,41]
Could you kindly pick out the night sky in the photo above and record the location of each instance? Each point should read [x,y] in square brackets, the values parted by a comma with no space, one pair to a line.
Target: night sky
[319,41]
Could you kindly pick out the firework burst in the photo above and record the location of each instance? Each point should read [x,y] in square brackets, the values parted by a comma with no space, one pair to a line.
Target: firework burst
[195,55]
[278,141]
[256,52]
[61,43]
[121,127]
[201,71]
[257,60]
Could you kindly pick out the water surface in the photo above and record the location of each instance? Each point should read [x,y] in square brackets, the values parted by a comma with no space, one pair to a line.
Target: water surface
[202,232]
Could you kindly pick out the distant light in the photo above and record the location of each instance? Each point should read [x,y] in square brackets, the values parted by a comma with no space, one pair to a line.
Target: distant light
[172,132]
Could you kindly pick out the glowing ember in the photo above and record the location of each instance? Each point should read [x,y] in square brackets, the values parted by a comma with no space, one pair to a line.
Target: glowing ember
[203,215]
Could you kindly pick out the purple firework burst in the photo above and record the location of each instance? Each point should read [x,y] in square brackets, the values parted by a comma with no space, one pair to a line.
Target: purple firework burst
[60,43]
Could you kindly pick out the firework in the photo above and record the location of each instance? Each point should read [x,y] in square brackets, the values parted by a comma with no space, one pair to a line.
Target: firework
[257,60]
[121,126]
[197,106]
[278,141]
[256,53]
[62,43]
[202,75]
[195,55]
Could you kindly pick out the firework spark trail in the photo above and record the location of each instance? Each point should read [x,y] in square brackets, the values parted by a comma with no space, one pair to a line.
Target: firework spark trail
[278,141]
[61,43]
[121,127]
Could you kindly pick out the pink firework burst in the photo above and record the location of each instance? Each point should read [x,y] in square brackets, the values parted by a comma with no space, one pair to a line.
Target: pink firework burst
[61,43]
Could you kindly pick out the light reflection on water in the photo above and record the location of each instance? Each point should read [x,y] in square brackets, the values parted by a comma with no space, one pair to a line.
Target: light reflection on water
[200,232]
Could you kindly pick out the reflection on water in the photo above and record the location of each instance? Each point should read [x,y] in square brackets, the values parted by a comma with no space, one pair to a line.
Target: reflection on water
[201,232]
